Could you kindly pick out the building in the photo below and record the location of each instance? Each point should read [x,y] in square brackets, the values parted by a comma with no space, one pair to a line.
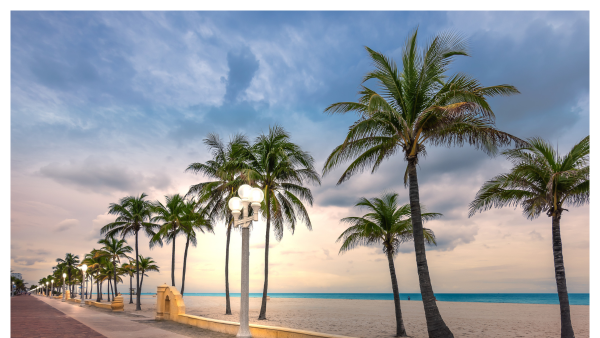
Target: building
[17,275]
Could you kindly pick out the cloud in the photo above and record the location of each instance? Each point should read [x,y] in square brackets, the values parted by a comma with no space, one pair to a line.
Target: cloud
[102,175]
[242,67]
[66,224]
[535,236]
[262,245]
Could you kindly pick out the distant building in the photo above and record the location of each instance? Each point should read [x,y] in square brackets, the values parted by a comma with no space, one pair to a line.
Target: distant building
[17,275]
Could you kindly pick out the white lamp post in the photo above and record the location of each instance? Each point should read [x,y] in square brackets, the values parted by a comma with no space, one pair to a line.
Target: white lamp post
[253,196]
[12,290]
[51,287]
[48,293]
[63,287]
[83,270]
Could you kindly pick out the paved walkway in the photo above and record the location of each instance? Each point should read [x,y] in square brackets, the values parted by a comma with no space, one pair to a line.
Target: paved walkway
[105,323]
[32,318]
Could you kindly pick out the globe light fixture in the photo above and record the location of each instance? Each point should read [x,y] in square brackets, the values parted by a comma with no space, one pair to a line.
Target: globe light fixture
[235,204]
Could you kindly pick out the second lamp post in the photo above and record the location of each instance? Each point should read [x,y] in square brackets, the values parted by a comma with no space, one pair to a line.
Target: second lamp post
[248,196]
[83,270]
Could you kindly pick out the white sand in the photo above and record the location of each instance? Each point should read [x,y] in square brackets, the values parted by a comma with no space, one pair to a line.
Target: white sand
[375,318]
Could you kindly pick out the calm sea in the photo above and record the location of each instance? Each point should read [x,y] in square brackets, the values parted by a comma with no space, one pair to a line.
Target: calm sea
[522,298]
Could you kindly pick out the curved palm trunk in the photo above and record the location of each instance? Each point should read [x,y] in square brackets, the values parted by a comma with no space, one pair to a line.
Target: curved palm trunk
[263,306]
[115,273]
[142,281]
[227,302]
[172,265]
[566,329]
[130,287]
[101,286]
[138,305]
[435,324]
[400,330]
[109,290]
[187,243]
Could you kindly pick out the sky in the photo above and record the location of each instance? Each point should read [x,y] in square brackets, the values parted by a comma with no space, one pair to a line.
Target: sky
[110,104]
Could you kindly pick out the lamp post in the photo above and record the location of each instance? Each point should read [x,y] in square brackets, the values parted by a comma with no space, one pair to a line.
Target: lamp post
[51,287]
[12,289]
[253,196]
[63,287]
[83,270]
[47,293]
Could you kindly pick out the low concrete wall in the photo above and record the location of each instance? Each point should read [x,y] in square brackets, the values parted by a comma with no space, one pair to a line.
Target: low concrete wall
[170,306]
[98,304]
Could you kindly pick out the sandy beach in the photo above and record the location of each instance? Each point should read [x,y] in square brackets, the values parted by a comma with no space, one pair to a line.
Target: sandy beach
[375,318]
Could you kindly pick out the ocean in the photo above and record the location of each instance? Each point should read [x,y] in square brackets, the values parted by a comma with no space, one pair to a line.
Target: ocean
[519,298]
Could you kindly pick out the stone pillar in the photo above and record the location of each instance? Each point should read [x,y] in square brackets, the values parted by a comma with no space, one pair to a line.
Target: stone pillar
[117,304]
[244,331]
[160,301]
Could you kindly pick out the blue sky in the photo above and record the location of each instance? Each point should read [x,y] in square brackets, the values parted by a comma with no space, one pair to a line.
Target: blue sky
[109,104]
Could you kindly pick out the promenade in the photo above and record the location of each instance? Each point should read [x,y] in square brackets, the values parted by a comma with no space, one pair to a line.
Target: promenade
[36,317]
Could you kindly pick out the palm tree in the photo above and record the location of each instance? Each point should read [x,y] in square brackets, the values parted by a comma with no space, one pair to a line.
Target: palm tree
[223,168]
[280,168]
[70,261]
[146,264]
[192,220]
[94,264]
[170,214]
[388,225]
[114,249]
[129,268]
[418,106]
[543,181]
[133,216]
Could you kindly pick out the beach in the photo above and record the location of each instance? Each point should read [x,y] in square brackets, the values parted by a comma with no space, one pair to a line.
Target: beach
[375,318]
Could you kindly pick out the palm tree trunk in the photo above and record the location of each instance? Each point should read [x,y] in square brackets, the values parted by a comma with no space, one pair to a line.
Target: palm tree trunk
[138,306]
[435,324]
[142,282]
[566,329]
[99,294]
[101,286]
[263,306]
[400,330]
[172,264]
[130,287]
[187,243]
[109,289]
[115,273]
[227,303]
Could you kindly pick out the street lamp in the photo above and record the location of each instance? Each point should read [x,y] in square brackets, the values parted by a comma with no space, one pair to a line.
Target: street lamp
[83,270]
[252,196]
[51,287]
[12,289]
[47,294]
[63,287]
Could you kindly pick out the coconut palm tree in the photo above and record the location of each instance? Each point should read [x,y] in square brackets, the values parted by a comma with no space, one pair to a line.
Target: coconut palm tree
[417,106]
[543,181]
[94,263]
[114,249]
[388,225]
[129,268]
[223,169]
[169,214]
[133,216]
[70,261]
[194,218]
[146,264]
[280,168]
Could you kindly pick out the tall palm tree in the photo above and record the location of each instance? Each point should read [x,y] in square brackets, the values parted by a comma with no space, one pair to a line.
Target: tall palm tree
[192,220]
[94,263]
[418,106]
[114,249]
[543,181]
[223,169]
[387,225]
[280,168]
[70,261]
[129,268]
[169,214]
[146,264]
[133,215]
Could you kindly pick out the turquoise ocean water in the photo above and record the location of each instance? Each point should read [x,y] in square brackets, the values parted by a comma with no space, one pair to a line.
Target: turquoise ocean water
[522,298]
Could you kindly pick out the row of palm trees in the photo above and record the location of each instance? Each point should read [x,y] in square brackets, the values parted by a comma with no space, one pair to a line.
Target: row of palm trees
[420,105]
[103,266]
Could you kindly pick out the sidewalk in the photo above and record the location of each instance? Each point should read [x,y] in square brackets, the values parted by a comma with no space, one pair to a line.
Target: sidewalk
[32,318]
[105,323]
